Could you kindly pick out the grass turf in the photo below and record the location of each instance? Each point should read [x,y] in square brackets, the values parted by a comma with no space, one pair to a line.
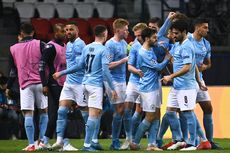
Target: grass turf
[15,146]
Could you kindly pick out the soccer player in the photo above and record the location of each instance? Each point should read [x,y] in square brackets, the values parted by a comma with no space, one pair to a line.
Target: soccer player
[149,88]
[184,90]
[72,91]
[54,59]
[24,63]
[131,122]
[95,62]
[118,58]
[203,61]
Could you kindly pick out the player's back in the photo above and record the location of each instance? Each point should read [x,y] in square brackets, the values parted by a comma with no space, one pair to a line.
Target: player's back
[26,57]
[94,56]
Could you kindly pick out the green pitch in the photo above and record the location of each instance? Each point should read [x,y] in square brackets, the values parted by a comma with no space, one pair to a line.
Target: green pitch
[15,146]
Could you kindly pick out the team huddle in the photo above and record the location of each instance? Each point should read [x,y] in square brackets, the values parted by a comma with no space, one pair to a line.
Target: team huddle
[76,73]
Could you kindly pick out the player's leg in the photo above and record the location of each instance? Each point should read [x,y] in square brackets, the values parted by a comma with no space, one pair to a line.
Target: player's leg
[27,106]
[118,105]
[153,131]
[53,104]
[136,118]
[66,99]
[187,102]
[131,96]
[171,113]
[94,98]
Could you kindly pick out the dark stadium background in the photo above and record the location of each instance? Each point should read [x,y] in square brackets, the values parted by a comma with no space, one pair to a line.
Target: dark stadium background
[217,11]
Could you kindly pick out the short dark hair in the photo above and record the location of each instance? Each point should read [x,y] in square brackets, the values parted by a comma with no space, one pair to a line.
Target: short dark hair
[200,21]
[26,28]
[147,32]
[156,20]
[181,25]
[71,23]
[99,29]
[57,27]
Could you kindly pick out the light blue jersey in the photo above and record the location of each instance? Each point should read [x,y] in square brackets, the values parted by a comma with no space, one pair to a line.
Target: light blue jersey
[184,54]
[73,54]
[117,51]
[95,57]
[133,55]
[95,63]
[202,50]
[147,62]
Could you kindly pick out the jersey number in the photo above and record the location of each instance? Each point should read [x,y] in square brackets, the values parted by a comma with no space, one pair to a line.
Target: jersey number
[89,61]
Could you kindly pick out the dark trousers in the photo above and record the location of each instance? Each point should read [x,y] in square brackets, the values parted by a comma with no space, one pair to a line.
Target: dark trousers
[53,105]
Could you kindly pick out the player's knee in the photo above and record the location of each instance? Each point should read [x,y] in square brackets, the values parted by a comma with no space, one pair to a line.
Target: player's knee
[62,112]
[207,107]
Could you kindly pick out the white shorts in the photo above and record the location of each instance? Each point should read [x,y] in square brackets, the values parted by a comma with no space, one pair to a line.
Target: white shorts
[183,99]
[120,88]
[31,95]
[73,92]
[94,96]
[202,96]
[132,93]
[150,100]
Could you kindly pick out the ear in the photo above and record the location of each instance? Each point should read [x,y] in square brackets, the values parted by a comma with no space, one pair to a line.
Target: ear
[32,33]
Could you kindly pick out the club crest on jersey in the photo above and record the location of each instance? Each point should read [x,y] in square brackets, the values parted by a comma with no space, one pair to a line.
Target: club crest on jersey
[204,49]
[109,57]
[153,61]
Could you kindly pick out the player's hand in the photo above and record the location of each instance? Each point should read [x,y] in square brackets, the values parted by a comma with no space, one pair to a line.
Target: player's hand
[168,56]
[7,92]
[56,75]
[166,79]
[45,90]
[171,15]
[202,67]
[114,95]
[140,73]
[202,86]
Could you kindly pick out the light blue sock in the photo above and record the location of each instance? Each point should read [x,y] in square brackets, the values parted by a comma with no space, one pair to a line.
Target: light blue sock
[85,115]
[90,128]
[66,141]
[61,121]
[96,131]
[153,131]
[46,140]
[116,127]
[142,128]
[191,122]
[208,126]
[29,127]
[184,127]
[43,121]
[163,128]
[127,119]
[199,130]
[197,141]
[136,120]
[174,125]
